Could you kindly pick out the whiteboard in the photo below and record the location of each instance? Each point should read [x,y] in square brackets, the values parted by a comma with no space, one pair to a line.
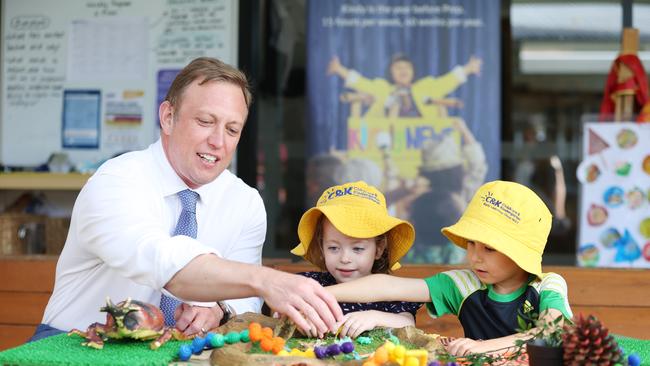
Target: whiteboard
[125,51]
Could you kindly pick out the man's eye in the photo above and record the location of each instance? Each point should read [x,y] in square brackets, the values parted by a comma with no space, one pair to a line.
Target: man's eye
[233,131]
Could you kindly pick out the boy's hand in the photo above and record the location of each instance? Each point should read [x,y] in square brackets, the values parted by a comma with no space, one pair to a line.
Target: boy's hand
[334,66]
[462,346]
[473,66]
[358,322]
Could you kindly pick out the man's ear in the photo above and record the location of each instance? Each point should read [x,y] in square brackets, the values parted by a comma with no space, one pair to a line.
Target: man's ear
[166,116]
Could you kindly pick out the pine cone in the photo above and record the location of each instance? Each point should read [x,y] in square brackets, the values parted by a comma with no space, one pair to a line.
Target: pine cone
[588,342]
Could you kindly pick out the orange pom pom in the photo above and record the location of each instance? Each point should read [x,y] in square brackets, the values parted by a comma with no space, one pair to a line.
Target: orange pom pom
[278,344]
[254,326]
[266,344]
[381,355]
[267,332]
[255,334]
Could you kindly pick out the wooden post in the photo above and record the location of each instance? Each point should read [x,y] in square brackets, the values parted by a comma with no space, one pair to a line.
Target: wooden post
[624,100]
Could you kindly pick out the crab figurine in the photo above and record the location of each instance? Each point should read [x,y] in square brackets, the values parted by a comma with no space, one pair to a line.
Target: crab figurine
[130,319]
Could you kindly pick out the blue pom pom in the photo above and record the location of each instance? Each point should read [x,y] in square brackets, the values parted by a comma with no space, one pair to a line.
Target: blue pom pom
[634,360]
[185,352]
[208,340]
[198,344]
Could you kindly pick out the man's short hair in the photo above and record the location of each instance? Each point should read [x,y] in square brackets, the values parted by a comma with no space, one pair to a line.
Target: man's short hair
[208,69]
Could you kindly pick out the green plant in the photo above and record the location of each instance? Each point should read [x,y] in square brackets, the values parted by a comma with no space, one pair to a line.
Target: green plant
[540,331]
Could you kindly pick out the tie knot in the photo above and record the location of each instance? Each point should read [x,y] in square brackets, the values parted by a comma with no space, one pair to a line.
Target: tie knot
[188,199]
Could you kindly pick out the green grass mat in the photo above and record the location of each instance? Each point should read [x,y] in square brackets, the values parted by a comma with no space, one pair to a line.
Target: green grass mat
[633,345]
[63,350]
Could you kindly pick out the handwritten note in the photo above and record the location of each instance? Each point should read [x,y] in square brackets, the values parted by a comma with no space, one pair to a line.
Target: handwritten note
[33,67]
[194,28]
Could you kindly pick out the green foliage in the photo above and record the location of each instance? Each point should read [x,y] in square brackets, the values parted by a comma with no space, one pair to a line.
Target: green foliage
[539,330]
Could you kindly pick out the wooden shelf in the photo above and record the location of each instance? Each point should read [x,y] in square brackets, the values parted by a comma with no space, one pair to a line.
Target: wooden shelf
[44,181]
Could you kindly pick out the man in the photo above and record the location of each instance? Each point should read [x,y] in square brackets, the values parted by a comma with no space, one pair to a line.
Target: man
[172,220]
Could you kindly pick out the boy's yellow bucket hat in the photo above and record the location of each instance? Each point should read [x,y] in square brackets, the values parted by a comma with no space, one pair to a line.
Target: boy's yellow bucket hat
[508,217]
[357,210]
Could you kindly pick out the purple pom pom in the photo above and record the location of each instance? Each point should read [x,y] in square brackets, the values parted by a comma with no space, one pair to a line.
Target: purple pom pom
[320,352]
[333,349]
[347,347]
[434,363]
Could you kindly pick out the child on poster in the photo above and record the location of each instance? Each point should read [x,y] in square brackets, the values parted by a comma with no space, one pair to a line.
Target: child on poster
[504,230]
[349,235]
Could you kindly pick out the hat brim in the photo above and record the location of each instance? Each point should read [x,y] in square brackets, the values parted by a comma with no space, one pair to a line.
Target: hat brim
[470,229]
[364,224]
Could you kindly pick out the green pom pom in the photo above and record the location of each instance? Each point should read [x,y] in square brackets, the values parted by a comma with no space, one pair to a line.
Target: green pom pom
[217,341]
[244,336]
[232,337]
[394,339]
[363,340]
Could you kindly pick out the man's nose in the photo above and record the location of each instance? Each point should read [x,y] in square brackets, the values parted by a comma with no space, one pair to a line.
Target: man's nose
[216,137]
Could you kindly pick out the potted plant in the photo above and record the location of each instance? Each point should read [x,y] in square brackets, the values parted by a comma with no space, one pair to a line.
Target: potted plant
[543,342]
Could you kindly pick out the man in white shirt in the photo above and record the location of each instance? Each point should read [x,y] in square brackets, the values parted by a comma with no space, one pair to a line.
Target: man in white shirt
[121,241]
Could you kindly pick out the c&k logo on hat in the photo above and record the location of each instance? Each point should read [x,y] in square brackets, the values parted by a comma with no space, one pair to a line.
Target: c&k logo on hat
[348,191]
[499,206]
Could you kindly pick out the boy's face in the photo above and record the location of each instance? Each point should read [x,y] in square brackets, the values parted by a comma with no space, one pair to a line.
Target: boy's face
[348,258]
[495,268]
[402,73]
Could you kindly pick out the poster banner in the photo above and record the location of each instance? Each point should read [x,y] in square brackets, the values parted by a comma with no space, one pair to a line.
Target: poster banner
[406,96]
[615,191]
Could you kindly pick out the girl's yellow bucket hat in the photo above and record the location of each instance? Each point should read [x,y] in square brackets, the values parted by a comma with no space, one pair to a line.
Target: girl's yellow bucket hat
[358,210]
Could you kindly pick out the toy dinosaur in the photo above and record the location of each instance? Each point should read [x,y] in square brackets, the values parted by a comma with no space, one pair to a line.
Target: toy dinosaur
[130,319]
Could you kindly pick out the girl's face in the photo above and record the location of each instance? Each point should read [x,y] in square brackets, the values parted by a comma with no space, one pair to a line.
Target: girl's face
[348,258]
[495,268]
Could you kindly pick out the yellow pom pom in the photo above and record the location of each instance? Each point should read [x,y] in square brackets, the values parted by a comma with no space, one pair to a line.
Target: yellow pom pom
[310,353]
[283,353]
[398,354]
[411,361]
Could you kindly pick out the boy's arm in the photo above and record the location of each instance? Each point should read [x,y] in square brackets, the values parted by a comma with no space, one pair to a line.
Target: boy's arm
[336,68]
[464,346]
[381,287]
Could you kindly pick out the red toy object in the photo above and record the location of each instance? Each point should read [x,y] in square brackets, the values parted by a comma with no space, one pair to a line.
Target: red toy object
[626,77]
[130,319]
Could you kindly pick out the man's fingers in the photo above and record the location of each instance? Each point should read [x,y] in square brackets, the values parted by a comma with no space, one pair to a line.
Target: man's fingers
[297,318]
[313,316]
[327,307]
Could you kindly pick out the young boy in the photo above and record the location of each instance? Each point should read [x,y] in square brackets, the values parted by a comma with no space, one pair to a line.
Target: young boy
[504,230]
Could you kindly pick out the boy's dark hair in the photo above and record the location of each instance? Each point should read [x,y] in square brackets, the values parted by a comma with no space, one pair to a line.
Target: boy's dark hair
[397,57]
[315,250]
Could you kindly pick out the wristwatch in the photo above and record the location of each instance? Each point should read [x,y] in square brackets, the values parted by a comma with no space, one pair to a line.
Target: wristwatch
[227,312]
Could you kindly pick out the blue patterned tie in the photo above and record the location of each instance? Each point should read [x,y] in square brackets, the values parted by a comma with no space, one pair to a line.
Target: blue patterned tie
[186,226]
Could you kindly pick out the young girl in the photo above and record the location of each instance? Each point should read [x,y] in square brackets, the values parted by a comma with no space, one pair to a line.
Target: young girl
[349,235]
[504,230]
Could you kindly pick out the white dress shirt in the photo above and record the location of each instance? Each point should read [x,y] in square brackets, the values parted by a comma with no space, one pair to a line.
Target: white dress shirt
[120,242]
